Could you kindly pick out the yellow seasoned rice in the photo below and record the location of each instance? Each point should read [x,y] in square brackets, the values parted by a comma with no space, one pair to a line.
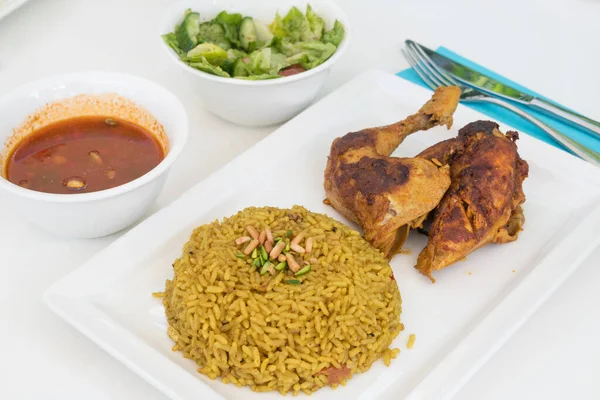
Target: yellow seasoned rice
[262,332]
[411,341]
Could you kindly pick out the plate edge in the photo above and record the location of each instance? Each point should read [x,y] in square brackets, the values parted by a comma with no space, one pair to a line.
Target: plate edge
[443,382]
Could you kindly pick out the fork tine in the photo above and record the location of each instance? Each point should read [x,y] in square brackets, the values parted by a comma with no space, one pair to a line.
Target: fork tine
[418,70]
[426,61]
[426,71]
[434,65]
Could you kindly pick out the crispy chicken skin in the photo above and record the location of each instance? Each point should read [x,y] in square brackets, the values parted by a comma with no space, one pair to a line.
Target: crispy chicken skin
[387,195]
[483,203]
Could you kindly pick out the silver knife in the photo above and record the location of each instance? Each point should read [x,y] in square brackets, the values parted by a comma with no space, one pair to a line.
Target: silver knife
[492,87]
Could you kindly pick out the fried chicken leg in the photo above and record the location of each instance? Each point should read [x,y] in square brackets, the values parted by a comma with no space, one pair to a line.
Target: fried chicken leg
[387,195]
[483,203]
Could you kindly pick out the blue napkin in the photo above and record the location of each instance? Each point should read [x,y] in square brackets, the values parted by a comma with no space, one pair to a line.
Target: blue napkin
[503,115]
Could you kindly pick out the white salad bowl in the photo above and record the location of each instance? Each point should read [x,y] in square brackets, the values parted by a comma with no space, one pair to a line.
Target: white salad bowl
[101,213]
[256,103]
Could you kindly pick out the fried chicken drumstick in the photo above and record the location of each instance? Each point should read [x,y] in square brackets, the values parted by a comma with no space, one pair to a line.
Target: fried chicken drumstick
[483,203]
[388,195]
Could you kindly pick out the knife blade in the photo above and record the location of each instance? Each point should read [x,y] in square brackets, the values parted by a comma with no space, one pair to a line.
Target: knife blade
[493,87]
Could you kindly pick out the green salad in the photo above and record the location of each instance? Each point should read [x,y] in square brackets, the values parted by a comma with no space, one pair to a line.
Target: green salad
[231,45]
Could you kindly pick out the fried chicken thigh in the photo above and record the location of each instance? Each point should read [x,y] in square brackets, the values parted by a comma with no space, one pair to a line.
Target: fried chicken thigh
[387,195]
[483,203]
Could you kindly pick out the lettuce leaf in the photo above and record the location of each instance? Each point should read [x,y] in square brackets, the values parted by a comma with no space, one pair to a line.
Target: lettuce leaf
[293,27]
[296,25]
[335,35]
[259,61]
[265,61]
[205,66]
[276,27]
[287,48]
[316,23]
[171,40]
[278,62]
[231,25]
[311,54]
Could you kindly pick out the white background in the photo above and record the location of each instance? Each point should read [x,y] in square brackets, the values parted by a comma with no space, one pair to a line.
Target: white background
[549,46]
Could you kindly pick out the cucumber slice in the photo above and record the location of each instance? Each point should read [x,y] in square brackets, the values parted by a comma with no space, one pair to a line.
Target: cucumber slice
[213,33]
[204,27]
[247,33]
[187,32]
[232,56]
[240,68]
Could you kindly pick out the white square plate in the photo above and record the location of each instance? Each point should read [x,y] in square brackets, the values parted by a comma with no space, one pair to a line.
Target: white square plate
[460,321]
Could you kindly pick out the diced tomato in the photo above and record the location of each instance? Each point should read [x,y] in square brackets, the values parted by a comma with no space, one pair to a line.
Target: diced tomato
[292,70]
[335,376]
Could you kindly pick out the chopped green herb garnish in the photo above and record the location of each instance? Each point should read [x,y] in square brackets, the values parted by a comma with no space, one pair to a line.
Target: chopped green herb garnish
[254,253]
[281,266]
[264,269]
[256,262]
[288,233]
[263,253]
[303,271]
[278,239]
[287,248]
[240,255]
[293,282]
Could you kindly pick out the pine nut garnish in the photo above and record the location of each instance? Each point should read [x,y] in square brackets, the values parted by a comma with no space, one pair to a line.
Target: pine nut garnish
[292,263]
[298,238]
[281,258]
[251,246]
[242,240]
[262,237]
[252,232]
[95,156]
[277,250]
[268,246]
[297,248]
[308,245]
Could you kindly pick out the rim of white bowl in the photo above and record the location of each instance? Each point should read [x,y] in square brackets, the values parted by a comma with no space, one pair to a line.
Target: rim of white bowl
[172,154]
[339,15]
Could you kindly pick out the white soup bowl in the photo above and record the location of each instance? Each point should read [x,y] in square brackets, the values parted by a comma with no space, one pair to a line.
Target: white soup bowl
[88,215]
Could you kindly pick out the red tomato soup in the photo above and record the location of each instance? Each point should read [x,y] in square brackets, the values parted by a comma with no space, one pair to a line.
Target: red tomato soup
[82,155]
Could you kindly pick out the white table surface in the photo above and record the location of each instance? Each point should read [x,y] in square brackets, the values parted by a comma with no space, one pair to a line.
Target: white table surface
[550,46]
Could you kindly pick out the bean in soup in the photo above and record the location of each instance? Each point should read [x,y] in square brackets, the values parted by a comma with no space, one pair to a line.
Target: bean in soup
[82,155]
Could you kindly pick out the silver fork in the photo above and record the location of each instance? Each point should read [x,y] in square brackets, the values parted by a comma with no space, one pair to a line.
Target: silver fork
[435,77]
